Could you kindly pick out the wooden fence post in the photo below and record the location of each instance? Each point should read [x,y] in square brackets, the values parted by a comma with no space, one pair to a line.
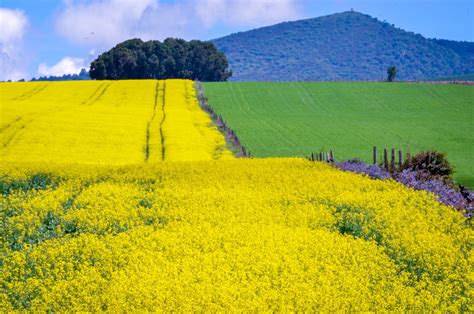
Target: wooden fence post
[375,155]
[385,158]
[392,160]
[400,160]
[331,156]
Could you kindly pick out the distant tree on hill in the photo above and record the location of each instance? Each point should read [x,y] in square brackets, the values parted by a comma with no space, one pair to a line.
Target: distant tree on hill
[391,73]
[173,58]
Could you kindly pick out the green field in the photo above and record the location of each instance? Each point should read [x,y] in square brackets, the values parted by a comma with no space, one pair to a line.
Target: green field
[295,119]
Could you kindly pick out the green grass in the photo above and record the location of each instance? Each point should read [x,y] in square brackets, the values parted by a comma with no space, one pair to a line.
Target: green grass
[295,119]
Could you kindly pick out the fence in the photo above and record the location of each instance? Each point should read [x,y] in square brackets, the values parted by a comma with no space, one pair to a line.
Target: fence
[229,134]
[391,159]
[323,156]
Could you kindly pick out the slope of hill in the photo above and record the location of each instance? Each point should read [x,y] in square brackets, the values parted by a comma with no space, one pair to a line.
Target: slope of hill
[463,77]
[343,46]
[296,119]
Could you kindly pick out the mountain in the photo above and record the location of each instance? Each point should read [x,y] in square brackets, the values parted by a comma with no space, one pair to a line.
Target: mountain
[83,75]
[342,46]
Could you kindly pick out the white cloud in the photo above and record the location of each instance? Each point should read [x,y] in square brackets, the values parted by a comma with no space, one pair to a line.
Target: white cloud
[66,65]
[103,23]
[13,24]
[100,23]
[246,12]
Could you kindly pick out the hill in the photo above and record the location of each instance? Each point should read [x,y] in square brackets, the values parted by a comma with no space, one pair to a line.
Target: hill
[82,76]
[463,77]
[296,119]
[342,46]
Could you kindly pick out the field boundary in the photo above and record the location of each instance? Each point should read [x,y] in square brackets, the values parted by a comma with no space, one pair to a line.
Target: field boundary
[147,143]
[230,136]
[162,138]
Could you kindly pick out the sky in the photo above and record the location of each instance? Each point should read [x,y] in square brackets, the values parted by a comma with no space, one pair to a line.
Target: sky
[55,37]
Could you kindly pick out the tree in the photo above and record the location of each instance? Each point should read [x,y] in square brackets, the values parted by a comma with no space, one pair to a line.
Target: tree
[174,58]
[391,73]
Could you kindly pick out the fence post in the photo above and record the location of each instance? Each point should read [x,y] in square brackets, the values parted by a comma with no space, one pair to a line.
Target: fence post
[375,155]
[331,156]
[400,160]
[392,160]
[385,158]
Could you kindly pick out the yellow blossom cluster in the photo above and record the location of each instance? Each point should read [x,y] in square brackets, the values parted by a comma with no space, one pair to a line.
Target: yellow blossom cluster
[187,130]
[227,235]
[105,122]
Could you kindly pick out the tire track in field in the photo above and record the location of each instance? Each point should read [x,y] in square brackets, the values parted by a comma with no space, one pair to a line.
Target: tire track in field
[31,92]
[147,141]
[162,122]
[21,123]
[97,95]
[15,133]
[10,124]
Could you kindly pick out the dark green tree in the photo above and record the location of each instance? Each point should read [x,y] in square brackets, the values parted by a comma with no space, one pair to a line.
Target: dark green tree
[391,73]
[174,58]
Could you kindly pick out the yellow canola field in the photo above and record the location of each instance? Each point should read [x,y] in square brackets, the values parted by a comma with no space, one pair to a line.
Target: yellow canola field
[105,122]
[187,131]
[237,235]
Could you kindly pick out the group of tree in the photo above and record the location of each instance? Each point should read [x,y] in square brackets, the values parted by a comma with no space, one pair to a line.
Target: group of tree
[172,58]
[83,75]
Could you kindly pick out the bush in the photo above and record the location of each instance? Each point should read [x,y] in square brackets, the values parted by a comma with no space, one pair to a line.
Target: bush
[428,171]
[431,163]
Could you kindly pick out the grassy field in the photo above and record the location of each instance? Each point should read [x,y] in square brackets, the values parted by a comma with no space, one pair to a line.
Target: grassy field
[295,119]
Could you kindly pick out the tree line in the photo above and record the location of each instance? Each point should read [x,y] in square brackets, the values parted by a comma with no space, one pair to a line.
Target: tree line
[172,58]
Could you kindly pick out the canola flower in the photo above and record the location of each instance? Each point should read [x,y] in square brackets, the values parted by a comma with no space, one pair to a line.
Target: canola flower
[105,122]
[187,129]
[228,235]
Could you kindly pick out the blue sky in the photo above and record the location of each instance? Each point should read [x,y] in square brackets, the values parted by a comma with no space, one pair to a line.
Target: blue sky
[50,37]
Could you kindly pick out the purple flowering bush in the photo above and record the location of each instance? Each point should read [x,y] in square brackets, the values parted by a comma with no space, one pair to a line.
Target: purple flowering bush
[358,166]
[418,180]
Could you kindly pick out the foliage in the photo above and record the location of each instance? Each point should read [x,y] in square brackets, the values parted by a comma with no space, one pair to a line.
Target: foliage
[246,234]
[295,119]
[391,73]
[357,166]
[343,46]
[465,77]
[418,179]
[106,122]
[174,58]
[431,161]
[83,75]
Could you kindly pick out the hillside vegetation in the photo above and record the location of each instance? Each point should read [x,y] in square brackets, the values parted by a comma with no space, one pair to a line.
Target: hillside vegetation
[263,235]
[296,119]
[171,59]
[343,46]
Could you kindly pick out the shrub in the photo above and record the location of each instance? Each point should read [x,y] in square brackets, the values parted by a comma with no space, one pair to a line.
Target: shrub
[432,162]
[427,171]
